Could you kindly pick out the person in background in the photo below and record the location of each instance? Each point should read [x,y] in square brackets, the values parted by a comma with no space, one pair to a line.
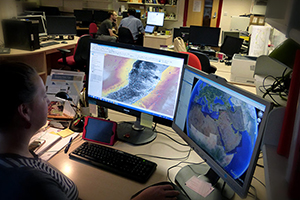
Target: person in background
[135,25]
[105,31]
[23,174]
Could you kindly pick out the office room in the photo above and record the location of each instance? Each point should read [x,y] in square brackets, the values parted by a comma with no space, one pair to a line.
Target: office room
[259,75]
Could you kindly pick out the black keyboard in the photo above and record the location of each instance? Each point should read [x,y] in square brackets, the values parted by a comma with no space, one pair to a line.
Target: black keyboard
[46,44]
[115,161]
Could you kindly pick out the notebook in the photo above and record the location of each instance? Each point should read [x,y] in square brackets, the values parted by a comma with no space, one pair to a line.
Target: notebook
[149,29]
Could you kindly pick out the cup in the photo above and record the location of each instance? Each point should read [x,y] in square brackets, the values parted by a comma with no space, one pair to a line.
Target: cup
[155,33]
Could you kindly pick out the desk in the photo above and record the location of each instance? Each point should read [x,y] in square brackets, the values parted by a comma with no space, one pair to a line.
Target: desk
[38,57]
[153,41]
[94,183]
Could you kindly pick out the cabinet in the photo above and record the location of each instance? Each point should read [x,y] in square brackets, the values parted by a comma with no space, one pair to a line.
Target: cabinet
[170,9]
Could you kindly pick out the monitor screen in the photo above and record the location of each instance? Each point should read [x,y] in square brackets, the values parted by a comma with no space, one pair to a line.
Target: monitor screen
[135,80]
[149,29]
[224,125]
[85,16]
[100,15]
[204,36]
[231,45]
[156,18]
[229,33]
[61,25]
[41,20]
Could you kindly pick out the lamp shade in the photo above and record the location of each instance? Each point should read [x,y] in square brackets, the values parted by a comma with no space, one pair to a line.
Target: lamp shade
[63,96]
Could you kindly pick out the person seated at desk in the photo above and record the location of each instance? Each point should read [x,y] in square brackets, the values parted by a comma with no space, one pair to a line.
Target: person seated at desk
[105,31]
[135,25]
[23,174]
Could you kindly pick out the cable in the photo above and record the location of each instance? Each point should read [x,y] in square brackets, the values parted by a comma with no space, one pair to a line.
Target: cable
[172,138]
[166,158]
[259,181]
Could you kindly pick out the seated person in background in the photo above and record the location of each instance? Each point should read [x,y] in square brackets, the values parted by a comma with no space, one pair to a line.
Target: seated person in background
[135,25]
[23,174]
[105,31]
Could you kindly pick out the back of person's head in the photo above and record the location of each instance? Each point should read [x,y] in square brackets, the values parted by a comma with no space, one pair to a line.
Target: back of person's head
[131,11]
[110,13]
[17,82]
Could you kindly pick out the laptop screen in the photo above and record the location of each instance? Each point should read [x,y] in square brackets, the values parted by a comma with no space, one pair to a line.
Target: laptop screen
[149,29]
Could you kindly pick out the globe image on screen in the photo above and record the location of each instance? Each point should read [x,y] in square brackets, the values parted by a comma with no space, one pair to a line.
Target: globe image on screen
[223,126]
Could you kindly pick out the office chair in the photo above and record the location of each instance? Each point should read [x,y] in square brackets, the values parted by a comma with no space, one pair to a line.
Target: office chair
[193,60]
[78,60]
[205,63]
[93,30]
[125,36]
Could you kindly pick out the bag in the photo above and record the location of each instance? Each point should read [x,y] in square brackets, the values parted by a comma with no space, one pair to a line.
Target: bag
[179,45]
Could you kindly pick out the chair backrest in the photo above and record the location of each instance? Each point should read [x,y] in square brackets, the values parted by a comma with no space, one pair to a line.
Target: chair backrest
[193,60]
[81,51]
[125,35]
[93,29]
[205,63]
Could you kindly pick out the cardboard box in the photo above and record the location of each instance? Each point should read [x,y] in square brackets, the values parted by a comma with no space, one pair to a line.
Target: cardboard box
[242,69]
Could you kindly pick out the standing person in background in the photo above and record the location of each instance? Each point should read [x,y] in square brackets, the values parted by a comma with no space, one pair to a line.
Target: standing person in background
[135,25]
[105,31]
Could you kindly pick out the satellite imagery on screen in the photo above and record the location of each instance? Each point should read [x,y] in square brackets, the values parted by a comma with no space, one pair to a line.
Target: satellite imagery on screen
[140,83]
[224,126]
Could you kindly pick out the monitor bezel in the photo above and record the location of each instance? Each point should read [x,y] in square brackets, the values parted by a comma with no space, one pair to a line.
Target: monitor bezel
[241,190]
[62,34]
[118,108]
[155,24]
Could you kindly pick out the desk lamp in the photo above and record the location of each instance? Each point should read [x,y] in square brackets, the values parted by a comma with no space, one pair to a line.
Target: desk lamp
[78,121]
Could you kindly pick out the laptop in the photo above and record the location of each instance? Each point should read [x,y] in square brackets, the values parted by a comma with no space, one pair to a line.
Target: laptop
[149,29]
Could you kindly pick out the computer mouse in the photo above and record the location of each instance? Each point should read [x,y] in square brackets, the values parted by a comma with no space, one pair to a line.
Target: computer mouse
[181,196]
[64,42]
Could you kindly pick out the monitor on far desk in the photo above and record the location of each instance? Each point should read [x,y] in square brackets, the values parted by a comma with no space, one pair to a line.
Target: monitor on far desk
[61,26]
[142,82]
[224,125]
[204,36]
[84,17]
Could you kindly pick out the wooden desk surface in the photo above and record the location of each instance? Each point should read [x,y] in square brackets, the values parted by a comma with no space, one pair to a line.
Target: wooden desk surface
[94,183]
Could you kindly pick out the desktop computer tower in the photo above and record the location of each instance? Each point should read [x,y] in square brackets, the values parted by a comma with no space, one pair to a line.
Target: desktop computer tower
[19,34]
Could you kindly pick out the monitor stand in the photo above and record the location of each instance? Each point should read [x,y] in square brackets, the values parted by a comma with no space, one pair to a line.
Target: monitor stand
[134,133]
[220,191]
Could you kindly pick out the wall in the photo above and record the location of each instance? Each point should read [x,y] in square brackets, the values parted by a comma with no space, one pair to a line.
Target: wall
[233,8]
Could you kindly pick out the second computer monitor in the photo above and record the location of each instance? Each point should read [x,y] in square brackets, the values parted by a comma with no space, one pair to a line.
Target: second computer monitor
[204,36]
[61,25]
[100,15]
[156,18]
[84,16]
[231,45]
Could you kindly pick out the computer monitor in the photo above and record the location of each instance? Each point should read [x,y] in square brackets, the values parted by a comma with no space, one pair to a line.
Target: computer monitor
[231,45]
[41,21]
[61,25]
[229,33]
[100,15]
[85,17]
[224,125]
[182,32]
[156,18]
[139,81]
[204,36]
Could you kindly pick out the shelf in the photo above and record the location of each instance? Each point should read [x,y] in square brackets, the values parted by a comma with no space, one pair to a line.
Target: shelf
[151,4]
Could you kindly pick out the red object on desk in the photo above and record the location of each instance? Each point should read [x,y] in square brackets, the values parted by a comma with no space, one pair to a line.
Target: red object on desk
[290,112]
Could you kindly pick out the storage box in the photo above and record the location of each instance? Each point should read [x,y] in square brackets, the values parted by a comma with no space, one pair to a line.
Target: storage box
[242,69]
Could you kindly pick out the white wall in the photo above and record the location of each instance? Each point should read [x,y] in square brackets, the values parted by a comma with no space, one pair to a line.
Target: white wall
[233,8]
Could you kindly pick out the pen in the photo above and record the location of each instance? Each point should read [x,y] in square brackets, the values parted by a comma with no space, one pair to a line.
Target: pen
[68,145]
